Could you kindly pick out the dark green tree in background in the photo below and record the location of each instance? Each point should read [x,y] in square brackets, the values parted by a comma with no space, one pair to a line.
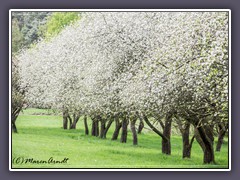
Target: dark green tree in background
[28,24]
[17,37]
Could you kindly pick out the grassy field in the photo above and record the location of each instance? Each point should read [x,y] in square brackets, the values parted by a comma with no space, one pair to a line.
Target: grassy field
[41,137]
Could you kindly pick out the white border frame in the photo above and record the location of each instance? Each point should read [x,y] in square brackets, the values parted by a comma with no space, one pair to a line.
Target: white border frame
[118,10]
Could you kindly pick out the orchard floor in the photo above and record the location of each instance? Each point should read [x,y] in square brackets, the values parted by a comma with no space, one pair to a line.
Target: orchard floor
[40,138]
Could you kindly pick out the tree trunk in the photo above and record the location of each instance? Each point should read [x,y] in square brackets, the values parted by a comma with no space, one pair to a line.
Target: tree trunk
[134,132]
[70,121]
[65,120]
[220,141]
[124,130]
[187,146]
[166,143]
[97,128]
[141,126]
[221,134]
[208,150]
[14,127]
[107,128]
[93,128]
[209,132]
[185,139]
[166,146]
[199,139]
[76,118]
[102,128]
[118,126]
[85,125]
[15,113]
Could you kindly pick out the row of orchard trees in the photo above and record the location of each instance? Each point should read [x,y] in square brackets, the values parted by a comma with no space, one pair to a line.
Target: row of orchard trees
[129,66]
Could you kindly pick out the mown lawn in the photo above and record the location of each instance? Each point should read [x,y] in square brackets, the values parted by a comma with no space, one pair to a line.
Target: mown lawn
[41,137]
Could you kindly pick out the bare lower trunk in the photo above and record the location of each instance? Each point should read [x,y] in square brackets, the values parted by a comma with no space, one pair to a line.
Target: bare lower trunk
[118,126]
[102,128]
[140,127]
[65,120]
[220,141]
[166,142]
[209,154]
[107,128]
[134,132]
[93,128]
[199,139]
[14,127]
[97,128]
[187,145]
[208,146]
[221,134]
[76,118]
[15,113]
[124,130]
[166,146]
[86,125]
[185,139]
[70,121]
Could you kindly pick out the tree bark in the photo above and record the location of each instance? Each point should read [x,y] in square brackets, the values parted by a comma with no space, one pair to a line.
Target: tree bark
[185,139]
[15,113]
[107,128]
[86,125]
[93,128]
[166,143]
[187,145]
[76,118]
[220,141]
[118,126]
[65,120]
[141,126]
[14,127]
[199,139]
[184,127]
[221,134]
[70,121]
[97,128]
[134,131]
[102,128]
[166,146]
[208,146]
[124,130]
[209,132]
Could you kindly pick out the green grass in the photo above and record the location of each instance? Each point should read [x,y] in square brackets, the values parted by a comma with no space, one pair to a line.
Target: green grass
[41,137]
